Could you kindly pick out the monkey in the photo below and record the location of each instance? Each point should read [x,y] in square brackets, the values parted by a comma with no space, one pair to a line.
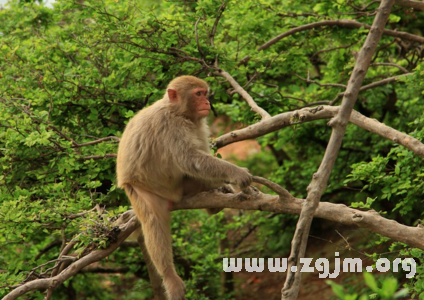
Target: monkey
[164,155]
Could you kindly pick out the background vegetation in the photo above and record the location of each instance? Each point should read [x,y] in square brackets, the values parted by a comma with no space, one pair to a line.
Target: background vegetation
[72,75]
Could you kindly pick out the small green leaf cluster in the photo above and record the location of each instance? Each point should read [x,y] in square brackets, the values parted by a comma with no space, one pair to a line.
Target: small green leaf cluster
[384,289]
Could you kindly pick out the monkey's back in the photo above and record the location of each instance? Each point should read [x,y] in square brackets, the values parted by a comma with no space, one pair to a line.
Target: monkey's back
[146,154]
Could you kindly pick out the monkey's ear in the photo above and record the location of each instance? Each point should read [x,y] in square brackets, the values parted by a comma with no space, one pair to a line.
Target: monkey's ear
[172,94]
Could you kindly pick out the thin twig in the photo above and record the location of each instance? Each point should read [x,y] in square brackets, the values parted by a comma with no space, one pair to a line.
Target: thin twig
[391,65]
[197,39]
[371,85]
[215,24]
[97,141]
[320,84]
[108,155]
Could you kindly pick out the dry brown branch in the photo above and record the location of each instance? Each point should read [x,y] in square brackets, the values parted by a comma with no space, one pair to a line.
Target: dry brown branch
[237,87]
[319,181]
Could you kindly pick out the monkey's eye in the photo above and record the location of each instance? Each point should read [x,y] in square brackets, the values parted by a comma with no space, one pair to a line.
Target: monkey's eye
[198,94]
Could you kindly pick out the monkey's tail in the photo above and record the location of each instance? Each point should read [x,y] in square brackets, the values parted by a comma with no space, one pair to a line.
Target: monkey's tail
[155,217]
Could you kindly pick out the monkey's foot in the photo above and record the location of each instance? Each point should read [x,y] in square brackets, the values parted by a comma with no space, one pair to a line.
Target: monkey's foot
[226,189]
[175,287]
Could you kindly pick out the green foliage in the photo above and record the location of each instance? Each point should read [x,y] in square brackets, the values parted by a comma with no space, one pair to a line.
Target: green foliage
[396,177]
[72,75]
[386,289]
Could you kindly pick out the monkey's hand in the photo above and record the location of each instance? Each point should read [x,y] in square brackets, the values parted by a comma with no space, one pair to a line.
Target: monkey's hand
[242,178]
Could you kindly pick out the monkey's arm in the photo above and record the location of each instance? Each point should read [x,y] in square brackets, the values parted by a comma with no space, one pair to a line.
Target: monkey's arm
[198,164]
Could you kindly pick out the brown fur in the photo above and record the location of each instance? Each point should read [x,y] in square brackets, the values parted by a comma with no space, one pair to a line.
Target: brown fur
[163,155]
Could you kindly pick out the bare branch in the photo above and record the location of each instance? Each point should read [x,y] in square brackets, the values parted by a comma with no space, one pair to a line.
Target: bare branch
[237,87]
[342,23]
[391,65]
[215,24]
[197,39]
[97,141]
[108,155]
[371,85]
[320,84]
[382,82]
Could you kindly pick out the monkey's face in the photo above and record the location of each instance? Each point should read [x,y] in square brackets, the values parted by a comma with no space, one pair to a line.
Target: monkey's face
[200,102]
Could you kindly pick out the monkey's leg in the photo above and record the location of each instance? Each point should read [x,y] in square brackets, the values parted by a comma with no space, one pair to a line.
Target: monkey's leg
[155,217]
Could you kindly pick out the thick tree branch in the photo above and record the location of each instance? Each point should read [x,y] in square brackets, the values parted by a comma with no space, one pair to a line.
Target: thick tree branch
[256,200]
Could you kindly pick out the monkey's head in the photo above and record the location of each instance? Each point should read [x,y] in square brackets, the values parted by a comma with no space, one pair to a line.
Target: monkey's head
[188,96]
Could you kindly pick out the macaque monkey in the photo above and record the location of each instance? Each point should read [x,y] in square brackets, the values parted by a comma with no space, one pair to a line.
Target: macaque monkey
[164,155]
